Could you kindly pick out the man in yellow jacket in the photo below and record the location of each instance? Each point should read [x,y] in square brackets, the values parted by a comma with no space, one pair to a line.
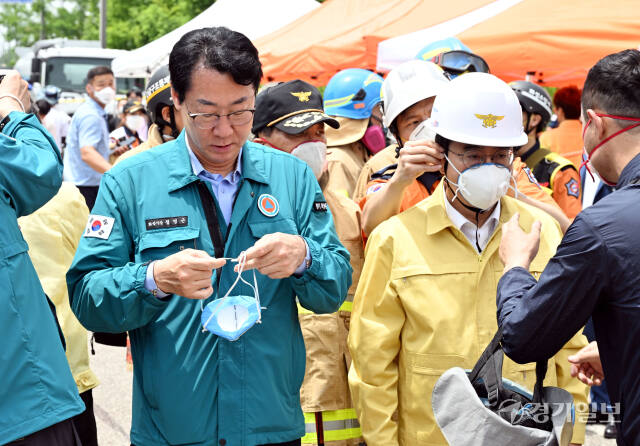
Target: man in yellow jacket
[53,233]
[426,297]
[289,117]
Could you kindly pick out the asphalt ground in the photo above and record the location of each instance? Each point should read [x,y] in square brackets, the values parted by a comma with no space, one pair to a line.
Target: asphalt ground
[112,400]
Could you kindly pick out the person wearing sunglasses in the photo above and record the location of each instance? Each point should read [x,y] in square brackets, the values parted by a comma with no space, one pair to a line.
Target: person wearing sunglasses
[454,57]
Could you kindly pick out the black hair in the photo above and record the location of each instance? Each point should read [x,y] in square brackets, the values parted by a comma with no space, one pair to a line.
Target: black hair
[216,48]
[613,85]
[43,107]
[98,71]
[266,131]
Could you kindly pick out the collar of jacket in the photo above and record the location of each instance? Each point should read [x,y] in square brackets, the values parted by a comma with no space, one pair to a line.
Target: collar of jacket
[438,220]
[630,172]
[155,136]
[181,174]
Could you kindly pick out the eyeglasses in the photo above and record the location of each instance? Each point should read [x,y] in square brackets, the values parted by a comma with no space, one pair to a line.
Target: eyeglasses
[206,121]
[473,157]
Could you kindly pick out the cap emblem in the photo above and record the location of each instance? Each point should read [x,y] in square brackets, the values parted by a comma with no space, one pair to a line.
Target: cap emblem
[303,96]
[489,121]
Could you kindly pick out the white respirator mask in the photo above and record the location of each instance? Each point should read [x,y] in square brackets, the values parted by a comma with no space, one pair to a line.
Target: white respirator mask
[482,185]
[423,132]
[314,153]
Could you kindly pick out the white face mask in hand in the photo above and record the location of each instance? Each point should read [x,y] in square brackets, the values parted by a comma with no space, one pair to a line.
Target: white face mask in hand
[231,316]
[482,185]
[422,132]
[314,153]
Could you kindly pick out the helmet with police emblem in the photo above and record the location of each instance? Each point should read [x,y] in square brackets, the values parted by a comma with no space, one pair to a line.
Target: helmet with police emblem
[534,99]
[478,109]
[352,93]
[158,94]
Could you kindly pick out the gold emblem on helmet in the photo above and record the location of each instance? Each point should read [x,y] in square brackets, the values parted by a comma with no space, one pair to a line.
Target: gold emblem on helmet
[303,96]
[489,121]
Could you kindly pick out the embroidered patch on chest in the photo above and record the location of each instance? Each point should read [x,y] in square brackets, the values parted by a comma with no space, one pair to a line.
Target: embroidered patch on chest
[166,222]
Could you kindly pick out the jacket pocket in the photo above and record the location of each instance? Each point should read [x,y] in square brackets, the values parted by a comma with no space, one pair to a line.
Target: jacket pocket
[422,372]
[261,228]
[13,248]
[160,243]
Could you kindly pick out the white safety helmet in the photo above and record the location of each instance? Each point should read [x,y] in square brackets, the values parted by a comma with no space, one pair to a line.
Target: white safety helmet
[479,109]
[408,84]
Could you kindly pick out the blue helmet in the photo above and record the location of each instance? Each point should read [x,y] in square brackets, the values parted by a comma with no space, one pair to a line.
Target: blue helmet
[352,93]
[453,56]
[441,46]
[52,94]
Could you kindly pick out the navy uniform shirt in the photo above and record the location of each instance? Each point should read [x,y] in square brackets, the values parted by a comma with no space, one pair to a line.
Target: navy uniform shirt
[595,272]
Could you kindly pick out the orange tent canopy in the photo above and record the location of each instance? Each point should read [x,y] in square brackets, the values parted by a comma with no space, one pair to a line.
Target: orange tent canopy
[345,34]
[557,42]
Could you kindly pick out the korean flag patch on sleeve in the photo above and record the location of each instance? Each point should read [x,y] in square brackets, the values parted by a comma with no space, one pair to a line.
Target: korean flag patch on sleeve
[99,226]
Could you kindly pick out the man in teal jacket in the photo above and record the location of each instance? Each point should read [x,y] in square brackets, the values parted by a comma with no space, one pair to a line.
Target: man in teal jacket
[145,264]
[38,395]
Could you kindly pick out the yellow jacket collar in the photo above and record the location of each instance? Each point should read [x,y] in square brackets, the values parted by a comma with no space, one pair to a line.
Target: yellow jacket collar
[437,218]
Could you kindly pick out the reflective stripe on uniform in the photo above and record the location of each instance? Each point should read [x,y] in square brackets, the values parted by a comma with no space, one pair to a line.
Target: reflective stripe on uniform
[337,425]
[347,305]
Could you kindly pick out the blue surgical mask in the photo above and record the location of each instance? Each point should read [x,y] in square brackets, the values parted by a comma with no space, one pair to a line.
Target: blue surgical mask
[231,316]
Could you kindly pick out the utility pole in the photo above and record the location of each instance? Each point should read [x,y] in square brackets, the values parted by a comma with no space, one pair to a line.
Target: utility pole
[103,23]
[43,34]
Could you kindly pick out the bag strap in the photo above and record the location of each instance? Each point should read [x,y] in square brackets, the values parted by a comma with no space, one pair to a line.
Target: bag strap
[541,372]
[211,214]
[489,368]
[488,352]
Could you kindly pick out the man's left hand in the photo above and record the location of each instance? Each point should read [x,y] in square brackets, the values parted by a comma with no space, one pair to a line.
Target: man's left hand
[517,248]
[276,255]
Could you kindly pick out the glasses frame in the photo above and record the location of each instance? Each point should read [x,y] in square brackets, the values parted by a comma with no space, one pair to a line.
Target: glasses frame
[193,116]
[469,151]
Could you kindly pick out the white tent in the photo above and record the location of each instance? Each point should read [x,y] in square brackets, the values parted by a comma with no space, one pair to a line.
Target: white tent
[253,18]
[392,52]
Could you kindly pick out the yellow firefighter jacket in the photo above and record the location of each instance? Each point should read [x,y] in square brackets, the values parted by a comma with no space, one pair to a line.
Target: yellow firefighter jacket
[325,388]
[53,232]
[426,302]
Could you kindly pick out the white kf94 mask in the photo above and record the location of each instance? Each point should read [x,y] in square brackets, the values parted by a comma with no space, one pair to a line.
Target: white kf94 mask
[483,185]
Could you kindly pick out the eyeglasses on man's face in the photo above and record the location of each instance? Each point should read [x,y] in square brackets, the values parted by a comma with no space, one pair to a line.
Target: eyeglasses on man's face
[473,157]
[206,121]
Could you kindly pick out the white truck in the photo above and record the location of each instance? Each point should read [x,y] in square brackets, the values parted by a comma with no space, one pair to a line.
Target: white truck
[65,63]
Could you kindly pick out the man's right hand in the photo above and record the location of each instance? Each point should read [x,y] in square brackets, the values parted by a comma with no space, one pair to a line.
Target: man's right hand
[186,273]
[417,157]
[586,365]
[14,85]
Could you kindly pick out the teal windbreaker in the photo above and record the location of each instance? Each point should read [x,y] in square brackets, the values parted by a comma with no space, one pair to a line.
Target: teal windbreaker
[185,390]
[36,386]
